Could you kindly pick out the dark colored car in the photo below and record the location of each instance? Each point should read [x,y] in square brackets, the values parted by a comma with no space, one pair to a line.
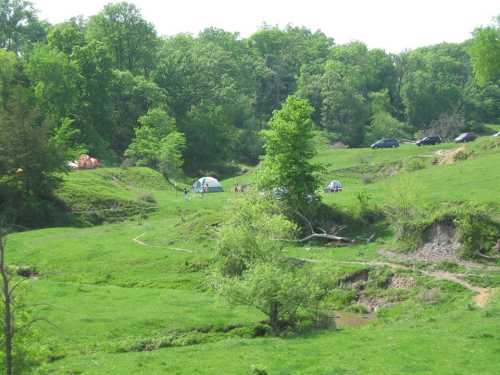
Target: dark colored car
[385,143]
[430,140]
[465,137]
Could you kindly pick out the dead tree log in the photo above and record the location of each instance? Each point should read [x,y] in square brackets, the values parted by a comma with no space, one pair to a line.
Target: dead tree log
[330,236]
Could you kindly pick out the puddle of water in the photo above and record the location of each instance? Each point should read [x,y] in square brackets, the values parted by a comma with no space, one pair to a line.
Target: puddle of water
[347,319]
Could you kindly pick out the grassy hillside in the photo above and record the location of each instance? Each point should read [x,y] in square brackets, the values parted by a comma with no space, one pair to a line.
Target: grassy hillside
[109,194]
[133,297]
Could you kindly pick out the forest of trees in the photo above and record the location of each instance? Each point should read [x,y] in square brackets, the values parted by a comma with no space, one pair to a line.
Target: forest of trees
[111,87]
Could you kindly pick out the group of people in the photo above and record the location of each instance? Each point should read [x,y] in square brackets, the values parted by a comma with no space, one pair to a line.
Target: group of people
[237,189]
[203,191]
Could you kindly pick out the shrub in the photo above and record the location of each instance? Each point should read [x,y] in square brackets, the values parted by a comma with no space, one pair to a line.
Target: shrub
[257,370]
[250,235]
[277,292]
[368,212]
[478,231]
[462,155]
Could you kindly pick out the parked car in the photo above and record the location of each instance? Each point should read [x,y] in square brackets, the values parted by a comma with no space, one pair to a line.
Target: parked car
[430,140]
[465,137]
[497,134]
[385,143]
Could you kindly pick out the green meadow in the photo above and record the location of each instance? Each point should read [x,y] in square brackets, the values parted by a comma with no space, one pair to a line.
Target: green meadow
[132,295]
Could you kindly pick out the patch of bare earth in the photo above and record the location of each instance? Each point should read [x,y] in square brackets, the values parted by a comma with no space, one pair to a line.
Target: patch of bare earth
[442,244]
[447,157]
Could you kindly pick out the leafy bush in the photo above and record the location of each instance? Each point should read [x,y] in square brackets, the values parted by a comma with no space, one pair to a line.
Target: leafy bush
[251,233]
[478,231]
[257,370]
[369,212]
[279,293]
[342,297]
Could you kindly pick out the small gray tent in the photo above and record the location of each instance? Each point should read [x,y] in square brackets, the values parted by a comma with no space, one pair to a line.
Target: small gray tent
[213,185]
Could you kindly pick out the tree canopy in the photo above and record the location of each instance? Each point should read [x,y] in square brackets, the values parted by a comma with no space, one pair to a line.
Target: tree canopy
[110,85]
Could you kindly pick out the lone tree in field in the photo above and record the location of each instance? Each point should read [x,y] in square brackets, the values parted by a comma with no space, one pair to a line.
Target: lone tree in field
[255,270]
[289,149]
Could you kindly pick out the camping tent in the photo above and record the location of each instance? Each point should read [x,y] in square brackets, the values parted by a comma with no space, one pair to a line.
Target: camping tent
[213,185]
[334,186]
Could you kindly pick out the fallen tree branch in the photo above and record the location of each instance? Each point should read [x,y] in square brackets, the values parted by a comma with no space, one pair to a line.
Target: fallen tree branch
[324,235]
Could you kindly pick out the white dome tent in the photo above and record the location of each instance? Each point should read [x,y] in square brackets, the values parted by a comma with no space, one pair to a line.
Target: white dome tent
[334,187]
[213,185]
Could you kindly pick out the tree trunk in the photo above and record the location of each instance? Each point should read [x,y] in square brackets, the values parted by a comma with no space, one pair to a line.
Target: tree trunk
[8,328]
[273,317]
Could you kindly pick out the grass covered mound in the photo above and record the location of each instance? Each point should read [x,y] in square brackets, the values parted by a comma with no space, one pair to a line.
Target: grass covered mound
[110,194]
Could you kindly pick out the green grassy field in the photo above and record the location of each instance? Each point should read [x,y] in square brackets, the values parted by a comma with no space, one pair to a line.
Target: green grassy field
[109,291]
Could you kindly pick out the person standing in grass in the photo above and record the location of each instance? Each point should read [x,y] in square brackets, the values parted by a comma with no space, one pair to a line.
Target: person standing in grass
[186,192]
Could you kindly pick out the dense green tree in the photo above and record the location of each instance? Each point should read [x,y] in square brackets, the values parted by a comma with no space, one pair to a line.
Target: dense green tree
[283,52]
[94,115]
[9,66]
[289,149]
[434,83]
[344,110]
[131,40]
[26,145]
[481,102]
[485,53]
[56,81]
[339,89]
[383,124]
[66,36]
[210,136]
[19,25]
[157,143]
[131,96]
[211,83]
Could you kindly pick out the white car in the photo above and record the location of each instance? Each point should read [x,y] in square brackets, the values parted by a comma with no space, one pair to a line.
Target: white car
[497,134]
